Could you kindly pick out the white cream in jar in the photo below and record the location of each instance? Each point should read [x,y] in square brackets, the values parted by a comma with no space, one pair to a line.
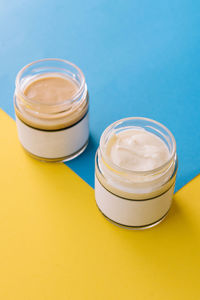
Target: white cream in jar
[51,106]
[135,172]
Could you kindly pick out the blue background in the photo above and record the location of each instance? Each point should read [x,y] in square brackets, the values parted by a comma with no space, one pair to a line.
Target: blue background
[140,58]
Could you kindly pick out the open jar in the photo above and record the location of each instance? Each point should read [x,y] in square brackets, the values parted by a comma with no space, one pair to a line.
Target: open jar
[135,172]
[51,106]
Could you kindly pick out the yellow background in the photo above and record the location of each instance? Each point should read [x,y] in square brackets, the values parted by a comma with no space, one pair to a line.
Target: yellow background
[55,244]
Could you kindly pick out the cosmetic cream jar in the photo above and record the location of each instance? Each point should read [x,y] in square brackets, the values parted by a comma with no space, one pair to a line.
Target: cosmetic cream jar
[51,106]
[135,198]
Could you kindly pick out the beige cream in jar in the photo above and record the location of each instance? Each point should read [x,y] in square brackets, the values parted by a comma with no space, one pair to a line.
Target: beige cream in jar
[51,106]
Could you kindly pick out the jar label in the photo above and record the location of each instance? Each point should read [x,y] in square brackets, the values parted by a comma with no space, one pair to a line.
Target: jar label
[135,213]
[54,144]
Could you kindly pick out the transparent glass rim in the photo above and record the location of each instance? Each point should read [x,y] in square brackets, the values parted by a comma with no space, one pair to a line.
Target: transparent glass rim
[76,95]
[124,170]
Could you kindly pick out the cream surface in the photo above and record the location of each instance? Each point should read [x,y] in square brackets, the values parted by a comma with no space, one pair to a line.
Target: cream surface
[137,150]
[51,90]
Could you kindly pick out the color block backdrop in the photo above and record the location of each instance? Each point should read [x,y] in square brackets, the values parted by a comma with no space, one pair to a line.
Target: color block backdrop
[140,58]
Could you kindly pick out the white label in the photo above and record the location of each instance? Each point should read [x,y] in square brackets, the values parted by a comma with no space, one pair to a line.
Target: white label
[132,212]
[54,144]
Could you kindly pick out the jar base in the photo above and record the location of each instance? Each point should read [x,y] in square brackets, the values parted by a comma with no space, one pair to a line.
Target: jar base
[59,159]
[134,227]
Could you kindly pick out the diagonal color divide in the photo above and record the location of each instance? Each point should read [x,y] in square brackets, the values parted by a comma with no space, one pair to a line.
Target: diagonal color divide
[56,245]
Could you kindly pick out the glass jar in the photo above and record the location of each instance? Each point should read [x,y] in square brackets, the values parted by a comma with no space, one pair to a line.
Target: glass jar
[50,130]
[138,199]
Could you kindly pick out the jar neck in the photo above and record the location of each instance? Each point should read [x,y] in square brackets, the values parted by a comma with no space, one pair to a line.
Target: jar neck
[42,106]
[54,114]
[46,111]
[135,185]
[53,118]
